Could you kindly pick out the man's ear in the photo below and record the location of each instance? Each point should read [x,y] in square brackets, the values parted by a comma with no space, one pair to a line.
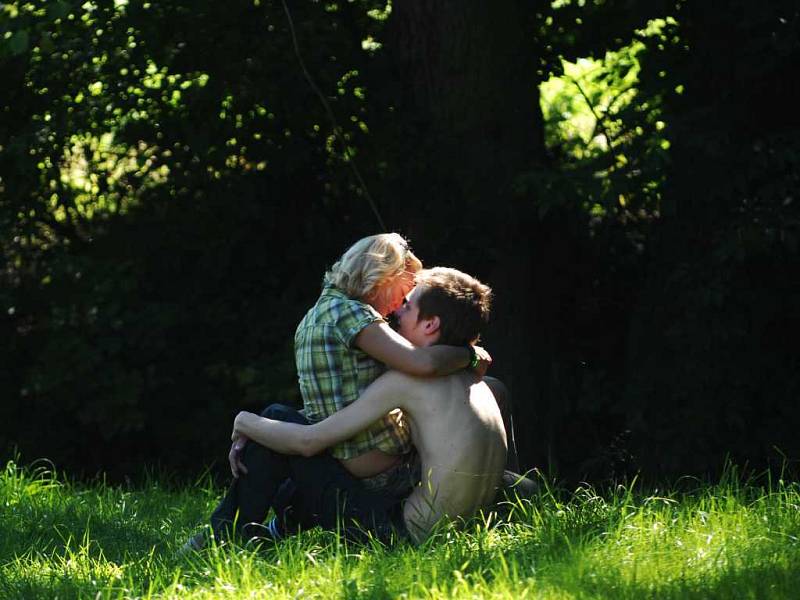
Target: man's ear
[432,325]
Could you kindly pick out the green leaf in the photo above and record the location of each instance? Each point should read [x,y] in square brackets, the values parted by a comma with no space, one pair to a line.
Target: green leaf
[59,10]
[18,43]
[46,44]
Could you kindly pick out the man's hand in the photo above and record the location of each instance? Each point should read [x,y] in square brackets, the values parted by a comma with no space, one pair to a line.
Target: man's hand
[484,360]
[238,440]
[235,456]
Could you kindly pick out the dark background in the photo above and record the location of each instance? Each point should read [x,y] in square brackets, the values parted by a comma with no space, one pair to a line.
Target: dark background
[171,191]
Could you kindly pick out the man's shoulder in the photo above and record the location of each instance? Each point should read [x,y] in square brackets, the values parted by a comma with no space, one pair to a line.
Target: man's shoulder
[462,379]
[424,388]
[399,383]
[396,379]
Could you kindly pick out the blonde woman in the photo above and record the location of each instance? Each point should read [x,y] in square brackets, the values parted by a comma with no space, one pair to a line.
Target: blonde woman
[341,346]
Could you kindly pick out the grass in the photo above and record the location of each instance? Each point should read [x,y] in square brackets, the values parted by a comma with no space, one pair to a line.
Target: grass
[734,539]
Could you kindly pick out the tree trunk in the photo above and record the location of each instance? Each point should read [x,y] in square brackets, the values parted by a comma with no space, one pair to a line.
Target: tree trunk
[465,122]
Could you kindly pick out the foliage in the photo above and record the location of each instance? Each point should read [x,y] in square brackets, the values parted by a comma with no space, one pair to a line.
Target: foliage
[172,188]
[160,169]
[669,352]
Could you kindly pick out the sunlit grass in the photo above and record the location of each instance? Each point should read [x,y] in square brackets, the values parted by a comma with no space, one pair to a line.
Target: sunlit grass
[730,540]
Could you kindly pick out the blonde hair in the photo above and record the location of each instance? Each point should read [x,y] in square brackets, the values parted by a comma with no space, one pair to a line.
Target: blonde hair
[371,261]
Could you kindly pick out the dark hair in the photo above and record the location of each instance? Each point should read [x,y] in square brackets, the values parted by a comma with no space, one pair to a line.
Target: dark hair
[461,302]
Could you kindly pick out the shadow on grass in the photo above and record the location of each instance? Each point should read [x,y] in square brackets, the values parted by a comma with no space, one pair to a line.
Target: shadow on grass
[754,581]
[572,568]
[574,565]
[39,513]
[37,583]
[59,528]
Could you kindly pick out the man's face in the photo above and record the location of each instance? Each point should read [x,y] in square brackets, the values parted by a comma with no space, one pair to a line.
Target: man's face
[408,324]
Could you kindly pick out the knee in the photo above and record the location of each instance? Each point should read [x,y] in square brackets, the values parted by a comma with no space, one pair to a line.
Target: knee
[282,412]
[279,412]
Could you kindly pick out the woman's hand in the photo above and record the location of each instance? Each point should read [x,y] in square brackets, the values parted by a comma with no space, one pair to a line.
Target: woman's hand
[484,361]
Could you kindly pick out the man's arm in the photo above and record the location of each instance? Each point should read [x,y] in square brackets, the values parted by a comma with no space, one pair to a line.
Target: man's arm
[389,391]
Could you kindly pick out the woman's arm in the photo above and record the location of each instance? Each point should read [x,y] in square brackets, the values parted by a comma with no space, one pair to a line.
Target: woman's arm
[382,343]
[387,392]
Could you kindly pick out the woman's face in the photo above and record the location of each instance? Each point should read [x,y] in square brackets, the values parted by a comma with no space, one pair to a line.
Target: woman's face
[389,295]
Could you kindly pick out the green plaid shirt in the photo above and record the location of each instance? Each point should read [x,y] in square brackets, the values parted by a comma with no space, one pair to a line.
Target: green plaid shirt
[333,372]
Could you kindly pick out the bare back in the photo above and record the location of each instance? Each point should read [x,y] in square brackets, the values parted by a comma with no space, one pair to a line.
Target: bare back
[458,431]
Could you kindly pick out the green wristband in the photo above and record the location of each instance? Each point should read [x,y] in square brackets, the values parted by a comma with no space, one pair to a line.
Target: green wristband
[473,357]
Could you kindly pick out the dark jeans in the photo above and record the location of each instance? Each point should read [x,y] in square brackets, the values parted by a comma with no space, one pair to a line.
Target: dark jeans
[317,490]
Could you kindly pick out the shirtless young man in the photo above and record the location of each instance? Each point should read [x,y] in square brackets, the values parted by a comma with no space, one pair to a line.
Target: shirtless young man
[455,422]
